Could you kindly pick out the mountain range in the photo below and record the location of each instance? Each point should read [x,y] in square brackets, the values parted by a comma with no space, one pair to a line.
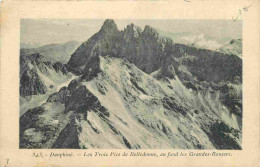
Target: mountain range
[53,52]
[198,40]
[131,89]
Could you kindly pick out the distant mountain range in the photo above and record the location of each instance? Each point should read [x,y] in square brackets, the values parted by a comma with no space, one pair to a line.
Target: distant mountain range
[198,40]
[25,45]
[131,89]
[54,52]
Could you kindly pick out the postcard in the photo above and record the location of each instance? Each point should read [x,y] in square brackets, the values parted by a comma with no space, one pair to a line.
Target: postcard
[130,83]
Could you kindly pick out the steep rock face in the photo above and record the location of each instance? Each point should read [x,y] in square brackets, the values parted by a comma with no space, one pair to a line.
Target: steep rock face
[123,107]
[209,65]
[131,33]
[37,75]
[106,41]
[141,47]
[224,136]
[148,51]
[68,137]
[38,79]
[30,84]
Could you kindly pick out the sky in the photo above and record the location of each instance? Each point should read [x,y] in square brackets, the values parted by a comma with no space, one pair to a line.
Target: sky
[50,31]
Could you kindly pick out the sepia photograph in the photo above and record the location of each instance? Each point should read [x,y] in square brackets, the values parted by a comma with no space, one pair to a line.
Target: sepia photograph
[130,84]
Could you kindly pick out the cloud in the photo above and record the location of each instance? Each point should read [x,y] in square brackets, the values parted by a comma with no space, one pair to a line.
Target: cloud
[210,44]
[201,41]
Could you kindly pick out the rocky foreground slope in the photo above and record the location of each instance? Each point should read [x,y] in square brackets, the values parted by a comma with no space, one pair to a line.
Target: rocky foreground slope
[134,89]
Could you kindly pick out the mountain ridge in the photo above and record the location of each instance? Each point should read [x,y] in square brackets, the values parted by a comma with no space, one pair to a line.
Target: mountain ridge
[91,103]
[54,52]
[133,89]
[147,50]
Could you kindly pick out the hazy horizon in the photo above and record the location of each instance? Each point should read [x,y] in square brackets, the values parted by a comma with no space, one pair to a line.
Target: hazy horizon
[51,31]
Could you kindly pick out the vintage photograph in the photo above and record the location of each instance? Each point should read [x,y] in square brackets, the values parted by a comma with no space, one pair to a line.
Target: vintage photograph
[130,84]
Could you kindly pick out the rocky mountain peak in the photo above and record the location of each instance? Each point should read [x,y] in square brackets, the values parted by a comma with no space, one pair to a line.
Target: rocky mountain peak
[150,31]
[133,28]
[131,32]
[109,26]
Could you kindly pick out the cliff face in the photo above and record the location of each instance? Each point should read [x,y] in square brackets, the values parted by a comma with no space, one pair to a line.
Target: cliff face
[39,78]
[140,47]
[136,90]
[38,75]
[148,51]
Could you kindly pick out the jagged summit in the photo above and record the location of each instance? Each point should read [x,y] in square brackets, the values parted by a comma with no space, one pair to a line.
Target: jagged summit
[150,31]
[109,22]
[109,26]
[131,32]
[148,51]
[141,47]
